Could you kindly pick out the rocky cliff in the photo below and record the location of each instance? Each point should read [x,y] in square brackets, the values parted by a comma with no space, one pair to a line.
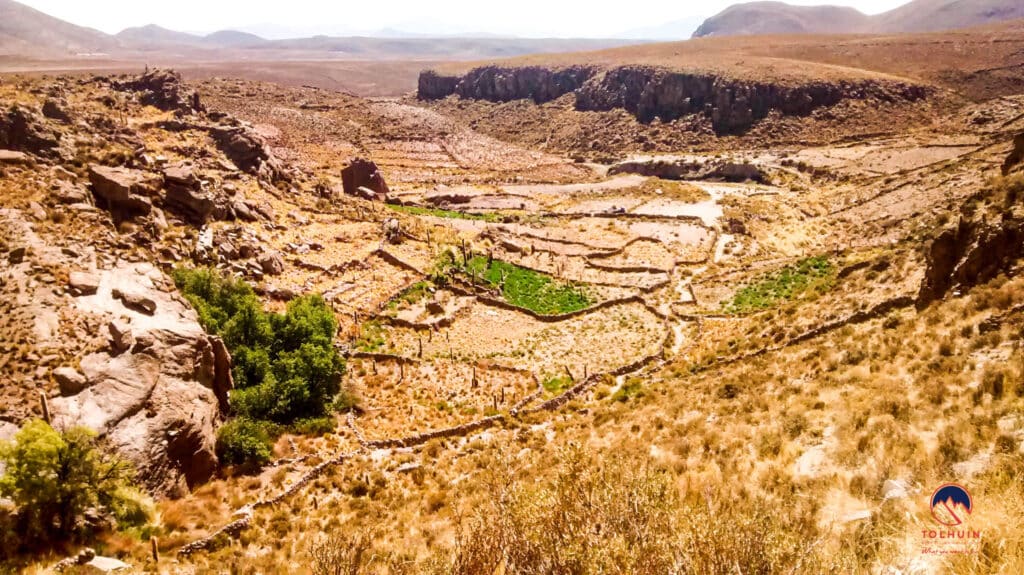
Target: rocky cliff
[986,240]
[731,105]
[501,84]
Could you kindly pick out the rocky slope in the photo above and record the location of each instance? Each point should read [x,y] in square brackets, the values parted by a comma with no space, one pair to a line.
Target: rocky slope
[647,92]
[96,211]
[986,239]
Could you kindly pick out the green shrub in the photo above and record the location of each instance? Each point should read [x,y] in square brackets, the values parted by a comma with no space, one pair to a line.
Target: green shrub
[557,384]
[243,441]
[285,365]
[54,477]
[633,387]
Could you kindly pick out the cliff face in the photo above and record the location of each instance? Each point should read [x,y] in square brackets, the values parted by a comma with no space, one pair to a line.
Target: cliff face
[988,239]
[497,84]
[732,106]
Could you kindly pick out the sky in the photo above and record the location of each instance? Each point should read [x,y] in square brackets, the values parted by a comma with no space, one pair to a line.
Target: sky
[526,18]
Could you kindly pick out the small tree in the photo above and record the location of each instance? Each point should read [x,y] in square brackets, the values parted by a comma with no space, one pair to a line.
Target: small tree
[55,478]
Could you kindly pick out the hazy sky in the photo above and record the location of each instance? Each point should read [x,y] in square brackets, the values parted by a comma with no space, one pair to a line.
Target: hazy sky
[556,18]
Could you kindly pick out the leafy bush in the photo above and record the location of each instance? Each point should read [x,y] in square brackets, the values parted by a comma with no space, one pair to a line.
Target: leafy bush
[243,441]
[54,478]
[285,365]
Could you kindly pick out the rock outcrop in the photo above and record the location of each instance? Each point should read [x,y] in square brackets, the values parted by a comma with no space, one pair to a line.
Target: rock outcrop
[154,394]
[363,173]
[987,240]
[123,191]
[249,151]
[114,348]
[500,84]
[731,105]
[24,130]
[185,195]
[165,90]
[1016,156]
[648,92]
[677,169]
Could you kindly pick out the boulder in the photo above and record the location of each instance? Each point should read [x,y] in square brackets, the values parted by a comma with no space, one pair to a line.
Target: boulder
[124,191]
[24,130]
[83,283]
[136,301]
[121,339]
[12,158]
[249,151]
[192,203]
[70,380]
[101,565]
[363,173]
[56,110]
[181,175]
[243,212]
[895,489]
[68,193]
[271,263]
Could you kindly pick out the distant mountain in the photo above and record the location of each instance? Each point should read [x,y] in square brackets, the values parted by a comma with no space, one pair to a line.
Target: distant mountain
[782,18]
[451,48]
[26,30]
[233,38]
[29,33]
[154,37]
[935,15]
[916,16]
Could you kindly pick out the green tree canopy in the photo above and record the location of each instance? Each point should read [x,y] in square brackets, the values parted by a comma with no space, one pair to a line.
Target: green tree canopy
[54,478]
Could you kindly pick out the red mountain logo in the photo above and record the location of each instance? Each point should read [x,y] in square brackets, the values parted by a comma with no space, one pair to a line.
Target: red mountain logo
[951,504]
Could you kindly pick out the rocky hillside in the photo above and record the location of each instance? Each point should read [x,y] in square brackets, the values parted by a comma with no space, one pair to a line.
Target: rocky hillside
[781,18]
[96,212]
[649,93]
[24,30]
[915,16]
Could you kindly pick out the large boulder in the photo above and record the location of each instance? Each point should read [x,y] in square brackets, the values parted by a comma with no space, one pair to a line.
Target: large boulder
[124,191]
[185,195]
[363,173]
[24,130]
[249,151]
[158,393]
